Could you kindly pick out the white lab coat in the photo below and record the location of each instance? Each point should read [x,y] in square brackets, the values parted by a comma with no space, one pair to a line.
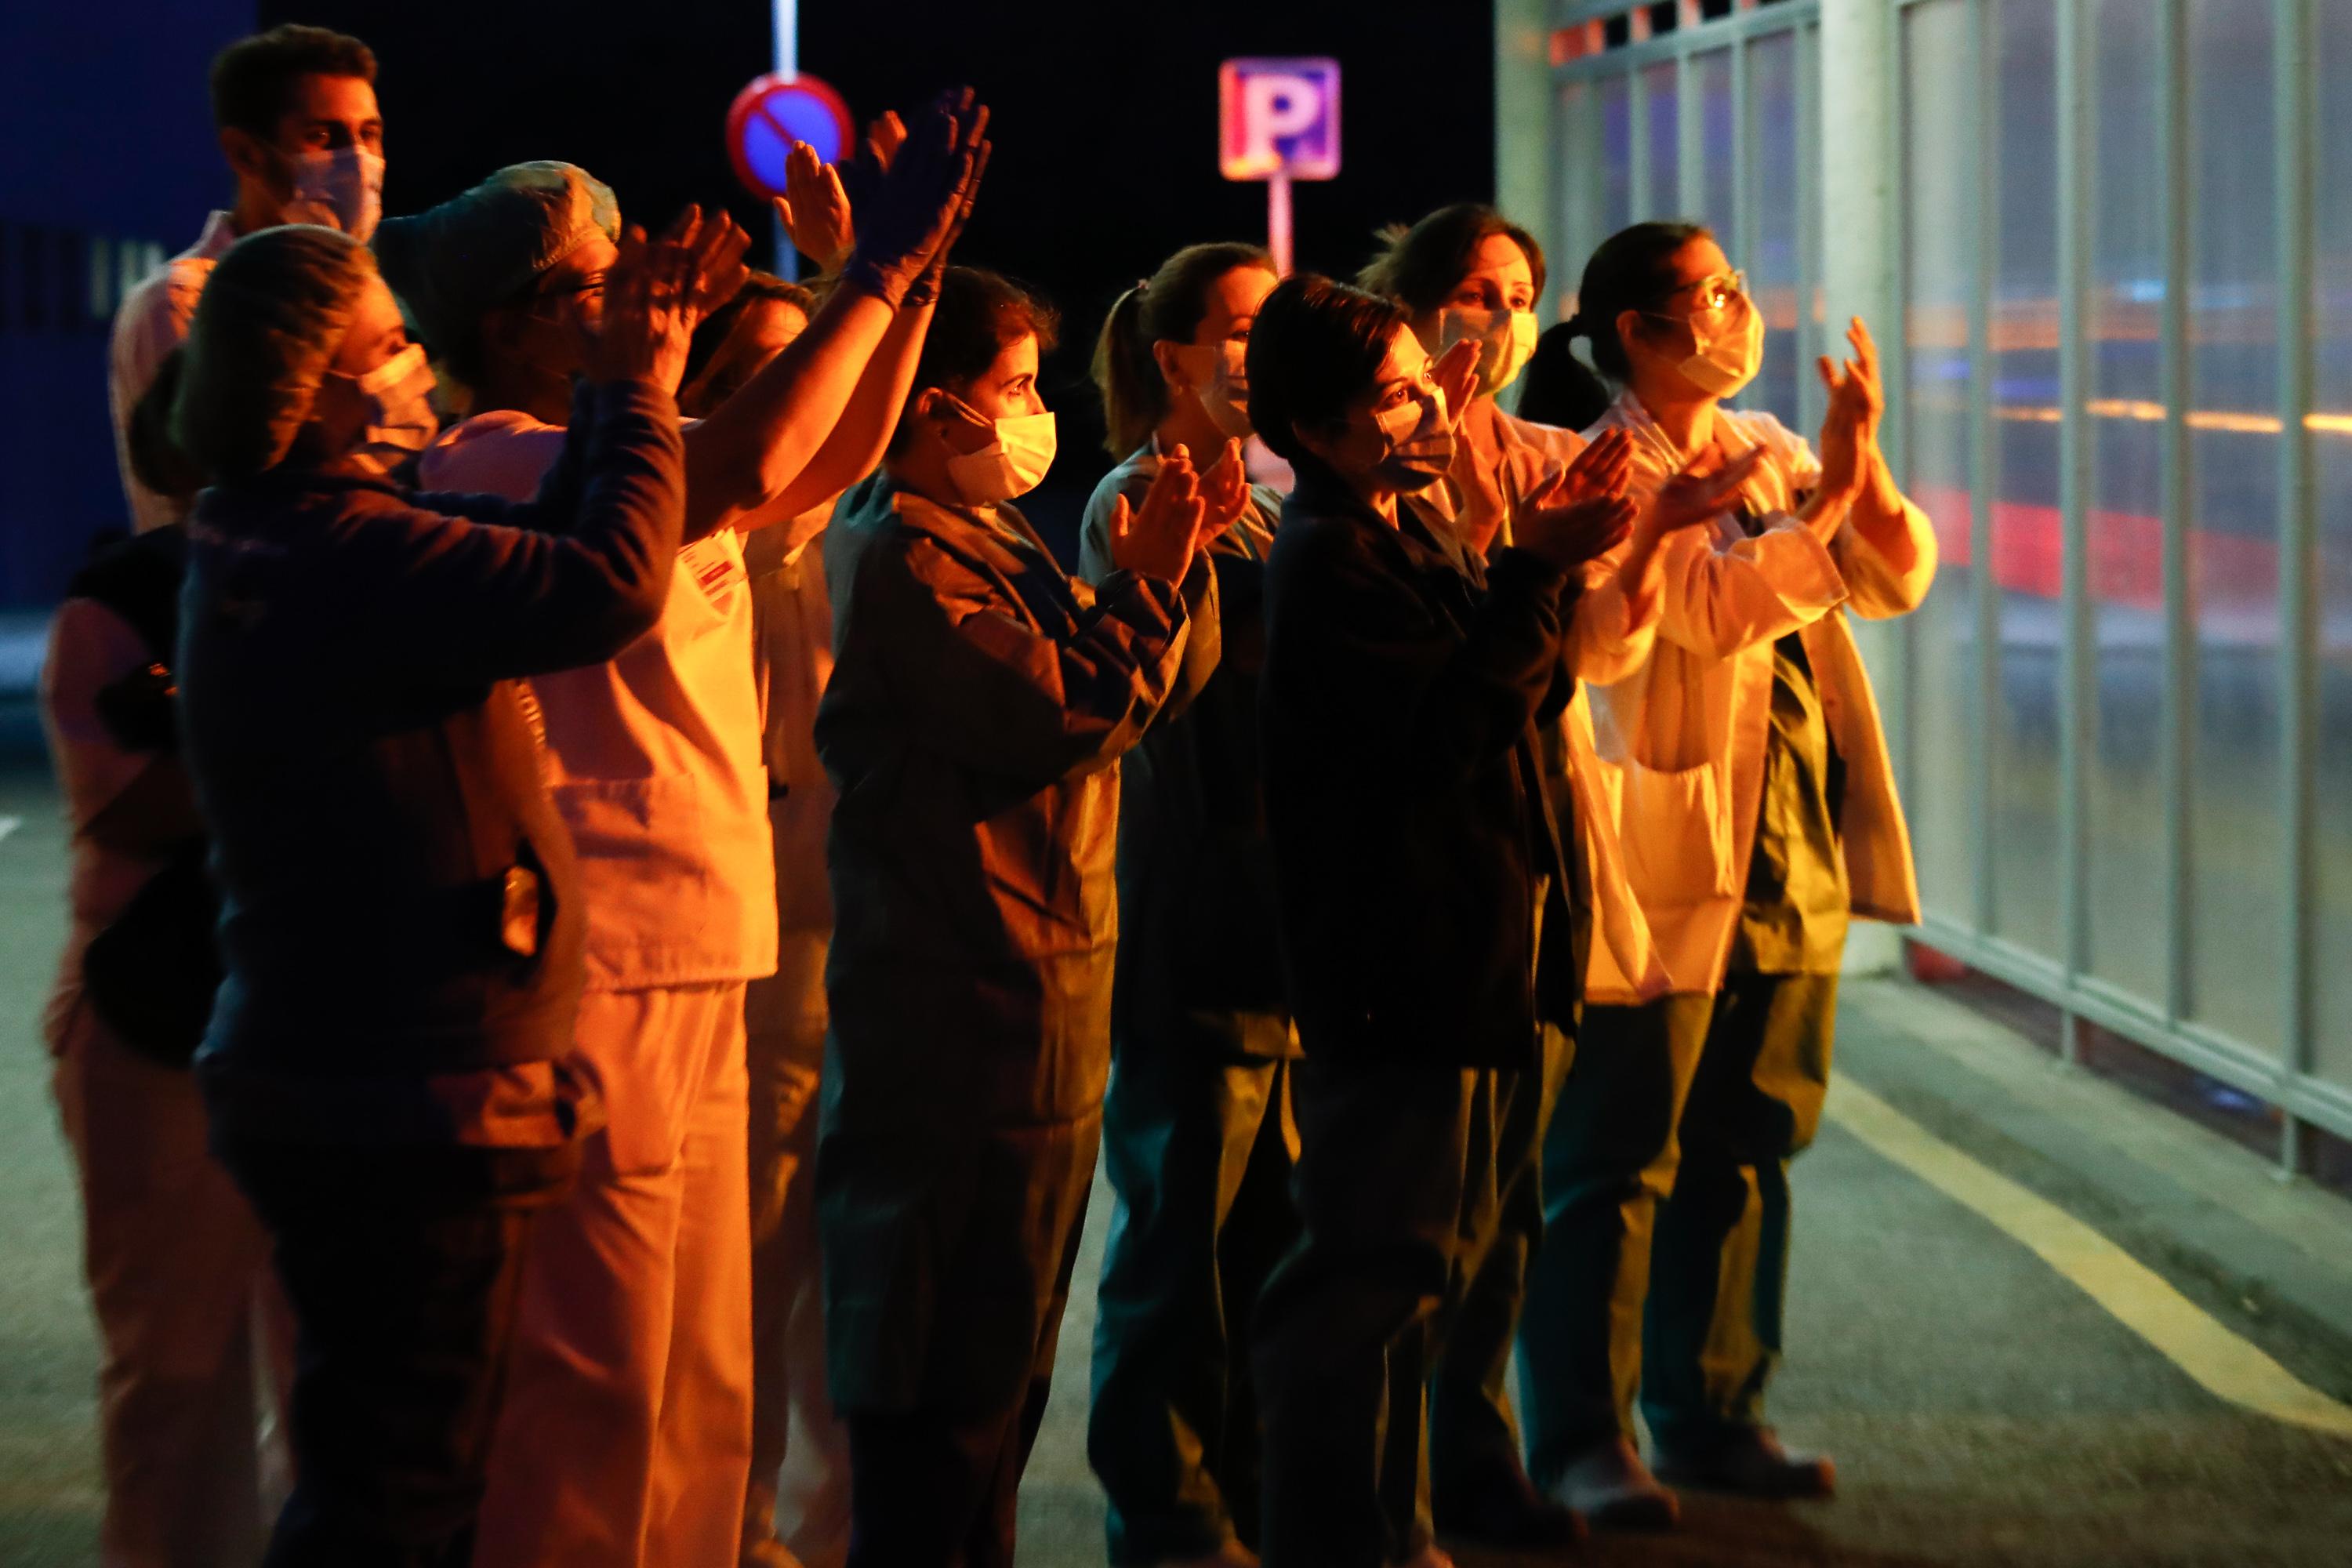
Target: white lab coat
[1678,742]
[1606,638]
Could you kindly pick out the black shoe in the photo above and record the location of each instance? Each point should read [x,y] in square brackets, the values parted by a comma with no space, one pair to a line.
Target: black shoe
[1748,1461]
[1507,1511]
[1609,1485]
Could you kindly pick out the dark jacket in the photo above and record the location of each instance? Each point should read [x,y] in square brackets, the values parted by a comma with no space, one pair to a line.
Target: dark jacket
[980,701]
[1403,683]
[363,756]
[1199,960]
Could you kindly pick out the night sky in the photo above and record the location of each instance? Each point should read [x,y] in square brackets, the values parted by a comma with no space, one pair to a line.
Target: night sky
[1104,123]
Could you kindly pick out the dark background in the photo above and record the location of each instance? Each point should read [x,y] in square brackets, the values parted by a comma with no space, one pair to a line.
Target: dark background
[1105,124]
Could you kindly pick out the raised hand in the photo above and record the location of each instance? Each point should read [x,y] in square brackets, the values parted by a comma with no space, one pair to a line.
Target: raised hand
[1456,374]
[1695,496]
[649,315]
[1600,471]
[1849,446]
[716,247]
[1158,538]
[815,208]
[923,200]
[1225,494]
[1568,536]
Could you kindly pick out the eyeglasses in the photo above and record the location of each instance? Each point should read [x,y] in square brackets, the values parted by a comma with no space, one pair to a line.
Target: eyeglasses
[584,290]
[1710,295]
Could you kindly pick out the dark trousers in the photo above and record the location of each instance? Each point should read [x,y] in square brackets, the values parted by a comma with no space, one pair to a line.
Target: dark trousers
[1395,1168]
[402,1264]
[1664,1260]
[935,1481]
[928,1488]
[1473,1441]
[1197,1145]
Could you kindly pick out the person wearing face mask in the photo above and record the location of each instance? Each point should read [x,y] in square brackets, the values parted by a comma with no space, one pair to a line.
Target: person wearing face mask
[796,1504]
[295,113]
[1756,812]
[636,1320]
[980,699]
[1431,923]
[177,1263]
[1470,278]
[388,1070]
[1196,1124]
[1468,275]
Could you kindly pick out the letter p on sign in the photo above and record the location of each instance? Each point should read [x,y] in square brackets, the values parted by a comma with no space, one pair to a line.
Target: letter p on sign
[1279,117]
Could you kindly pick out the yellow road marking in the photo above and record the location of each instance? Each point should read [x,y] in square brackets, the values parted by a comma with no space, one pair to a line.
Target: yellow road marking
[2133,1294]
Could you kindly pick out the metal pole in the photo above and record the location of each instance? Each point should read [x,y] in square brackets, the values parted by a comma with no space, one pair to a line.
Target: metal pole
[2077,648]
[2179,625]
[1278,221]
[1984,468]
[2291,48]
[788,43]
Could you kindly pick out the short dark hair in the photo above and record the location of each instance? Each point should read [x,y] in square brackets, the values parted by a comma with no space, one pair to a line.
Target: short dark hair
[252,79]
[977,314]
[1424,264]
[1168,304]
[1628,273]
[716,328]
[1316,346]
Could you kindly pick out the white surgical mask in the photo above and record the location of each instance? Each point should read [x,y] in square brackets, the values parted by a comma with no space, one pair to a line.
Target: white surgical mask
[1421,441]
[1220,375]
[343,189]
[1011,465]
[400,420]
[1727,352]
[1506,339]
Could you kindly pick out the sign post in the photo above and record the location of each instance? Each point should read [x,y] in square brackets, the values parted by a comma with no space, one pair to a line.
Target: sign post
[1279,121]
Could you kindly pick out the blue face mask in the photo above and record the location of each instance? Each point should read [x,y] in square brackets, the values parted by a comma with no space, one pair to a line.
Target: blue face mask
[343,189]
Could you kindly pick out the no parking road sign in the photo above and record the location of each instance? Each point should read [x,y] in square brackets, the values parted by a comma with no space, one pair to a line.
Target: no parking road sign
[773,112]
[1279,121]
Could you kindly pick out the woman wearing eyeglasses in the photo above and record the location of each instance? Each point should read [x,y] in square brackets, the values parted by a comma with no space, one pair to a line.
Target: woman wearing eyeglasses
[1756,812]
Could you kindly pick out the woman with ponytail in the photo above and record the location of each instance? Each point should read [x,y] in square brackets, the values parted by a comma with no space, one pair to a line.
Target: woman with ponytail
[1756,805]
[1196,1128]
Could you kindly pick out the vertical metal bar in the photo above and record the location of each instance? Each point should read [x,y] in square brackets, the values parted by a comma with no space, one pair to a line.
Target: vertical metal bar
[2292,45]
[1983,464]
[1745,209]
[1637,120]
[1895,357]
[2179,621]
[1690,152]
[2078,651]
[1806,40]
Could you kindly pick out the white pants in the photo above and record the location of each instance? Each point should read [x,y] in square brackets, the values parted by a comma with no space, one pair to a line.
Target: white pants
[179,1276]
[796,1509]
[626,1434]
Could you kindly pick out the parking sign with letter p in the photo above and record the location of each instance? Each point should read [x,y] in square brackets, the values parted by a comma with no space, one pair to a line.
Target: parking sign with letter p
[1279,117]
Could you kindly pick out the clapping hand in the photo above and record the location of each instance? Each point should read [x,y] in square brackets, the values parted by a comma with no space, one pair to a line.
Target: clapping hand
[1456,373]
[656,293]
[1157,538]
[908,228]
[815,208]
[1225,494]
[1849,458]
[1696,495]
[1582,511]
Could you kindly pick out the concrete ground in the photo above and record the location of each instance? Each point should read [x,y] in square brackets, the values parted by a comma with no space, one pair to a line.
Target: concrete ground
[1984,1407]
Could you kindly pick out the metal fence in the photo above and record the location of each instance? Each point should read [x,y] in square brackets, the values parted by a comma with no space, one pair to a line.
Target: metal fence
[2122,386]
